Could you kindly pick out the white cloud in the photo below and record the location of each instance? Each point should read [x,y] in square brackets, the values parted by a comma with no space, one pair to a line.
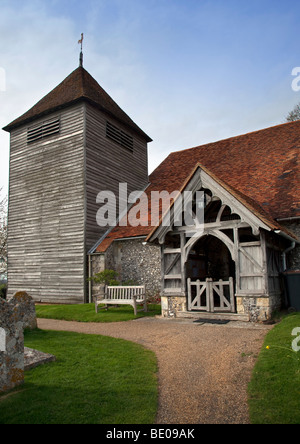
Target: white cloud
[33,47]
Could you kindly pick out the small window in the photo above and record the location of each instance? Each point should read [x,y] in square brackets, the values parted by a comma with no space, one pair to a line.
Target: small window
[43,130]
[119,136]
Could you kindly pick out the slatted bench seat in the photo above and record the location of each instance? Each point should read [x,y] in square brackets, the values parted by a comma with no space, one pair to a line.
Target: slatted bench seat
[125,295]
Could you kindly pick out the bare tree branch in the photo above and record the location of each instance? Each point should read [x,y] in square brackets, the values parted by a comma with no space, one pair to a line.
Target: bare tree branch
[294,114]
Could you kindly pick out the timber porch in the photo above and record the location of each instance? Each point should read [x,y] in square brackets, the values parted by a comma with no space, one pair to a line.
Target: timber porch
[226,265]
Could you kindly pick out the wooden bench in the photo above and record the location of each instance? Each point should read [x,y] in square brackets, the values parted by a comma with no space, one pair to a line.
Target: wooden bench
[126,295]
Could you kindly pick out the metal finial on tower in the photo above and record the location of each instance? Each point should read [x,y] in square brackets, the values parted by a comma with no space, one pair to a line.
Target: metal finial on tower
[81,53]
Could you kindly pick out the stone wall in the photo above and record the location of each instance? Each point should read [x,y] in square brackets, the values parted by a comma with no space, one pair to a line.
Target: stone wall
[258,309]
[135,262]
[172,305]
[97,265]
[26,307]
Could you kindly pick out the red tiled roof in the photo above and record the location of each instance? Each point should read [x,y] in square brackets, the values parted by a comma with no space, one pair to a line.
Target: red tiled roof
[261,168]
[79,85]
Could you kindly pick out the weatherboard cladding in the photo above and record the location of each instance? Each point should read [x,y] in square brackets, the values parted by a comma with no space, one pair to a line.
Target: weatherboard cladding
[107,165]
[46,250]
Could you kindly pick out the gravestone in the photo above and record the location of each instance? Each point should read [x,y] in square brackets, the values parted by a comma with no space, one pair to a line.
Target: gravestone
[2,339]
[27,309]
[15,315]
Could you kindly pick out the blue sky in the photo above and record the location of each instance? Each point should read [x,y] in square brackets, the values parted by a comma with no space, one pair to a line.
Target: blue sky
[186,71]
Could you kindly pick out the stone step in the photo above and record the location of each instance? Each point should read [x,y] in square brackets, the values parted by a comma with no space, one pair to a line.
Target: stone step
[213,316]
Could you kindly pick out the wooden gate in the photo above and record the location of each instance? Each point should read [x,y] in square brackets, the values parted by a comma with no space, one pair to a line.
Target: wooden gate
[211,296]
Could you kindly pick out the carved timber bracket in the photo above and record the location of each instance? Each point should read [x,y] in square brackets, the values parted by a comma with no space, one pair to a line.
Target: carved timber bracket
[212,232]
[201,179]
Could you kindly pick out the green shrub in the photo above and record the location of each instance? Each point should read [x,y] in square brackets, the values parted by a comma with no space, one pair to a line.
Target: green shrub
[107,277]
[111,277]
[3,289]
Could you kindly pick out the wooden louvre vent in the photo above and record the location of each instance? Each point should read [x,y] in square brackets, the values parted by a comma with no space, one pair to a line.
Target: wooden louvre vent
[119,136]
[43,130]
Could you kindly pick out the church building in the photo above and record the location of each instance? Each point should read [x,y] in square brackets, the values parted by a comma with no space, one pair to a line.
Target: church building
[238,259]
[76,142]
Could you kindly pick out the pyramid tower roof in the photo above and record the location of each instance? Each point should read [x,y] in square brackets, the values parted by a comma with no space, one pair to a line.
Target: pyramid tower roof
[78,86]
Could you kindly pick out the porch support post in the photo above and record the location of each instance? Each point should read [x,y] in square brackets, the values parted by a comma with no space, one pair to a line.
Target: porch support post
[183,274]
[236,258]
[209,295]
[232,296]
[162,267]
[189,304]
[264,261]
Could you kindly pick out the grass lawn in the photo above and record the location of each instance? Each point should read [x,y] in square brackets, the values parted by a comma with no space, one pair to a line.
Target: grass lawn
[87,313]
[95,380]
[274,390]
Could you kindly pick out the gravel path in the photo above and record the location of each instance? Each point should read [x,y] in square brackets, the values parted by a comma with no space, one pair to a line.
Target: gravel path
[204,369]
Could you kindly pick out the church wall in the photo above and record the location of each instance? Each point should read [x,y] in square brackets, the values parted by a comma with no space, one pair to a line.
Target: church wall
[134,262]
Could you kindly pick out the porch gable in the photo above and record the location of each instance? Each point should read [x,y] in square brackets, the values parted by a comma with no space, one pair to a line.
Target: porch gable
[249,212]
